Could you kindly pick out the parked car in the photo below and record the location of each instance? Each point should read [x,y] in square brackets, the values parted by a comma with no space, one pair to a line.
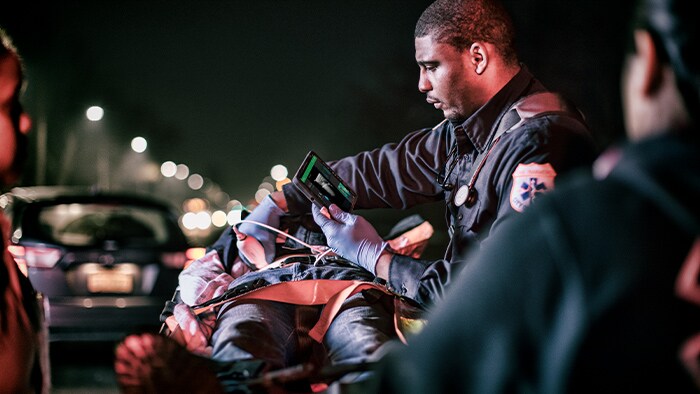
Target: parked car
[106,263]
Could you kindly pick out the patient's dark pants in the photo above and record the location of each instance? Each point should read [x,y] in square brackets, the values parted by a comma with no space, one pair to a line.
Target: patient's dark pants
[277,332]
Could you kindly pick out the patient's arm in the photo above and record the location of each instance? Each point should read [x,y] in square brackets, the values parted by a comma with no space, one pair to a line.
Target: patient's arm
[207,278]
[204,279]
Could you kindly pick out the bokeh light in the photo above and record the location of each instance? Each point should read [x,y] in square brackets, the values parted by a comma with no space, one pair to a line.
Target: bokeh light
[150,172]
[139,144]
[194,205]
[195,181]
[278,172]
[260,194]
[266,186]
[219,219]
[189,220]
[234,216]
[95,113]
[282,182]
[234,204]
[168,169]
[182,172]
[203,220]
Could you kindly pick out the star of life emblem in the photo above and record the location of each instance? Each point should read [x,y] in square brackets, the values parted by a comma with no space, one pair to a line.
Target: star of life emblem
[529,182]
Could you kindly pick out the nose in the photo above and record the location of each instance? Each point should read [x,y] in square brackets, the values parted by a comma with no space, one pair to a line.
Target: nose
[25,123]
[423,82]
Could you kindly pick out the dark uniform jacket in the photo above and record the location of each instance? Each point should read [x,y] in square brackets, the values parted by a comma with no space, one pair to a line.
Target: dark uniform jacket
[402,175]
[593,289]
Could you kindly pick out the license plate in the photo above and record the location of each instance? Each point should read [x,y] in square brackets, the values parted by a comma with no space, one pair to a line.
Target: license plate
[110,282]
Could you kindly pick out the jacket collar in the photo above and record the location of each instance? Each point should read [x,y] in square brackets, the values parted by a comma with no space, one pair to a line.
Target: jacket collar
[480,127]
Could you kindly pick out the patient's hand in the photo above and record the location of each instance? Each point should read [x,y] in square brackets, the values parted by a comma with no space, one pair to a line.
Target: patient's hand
[196,329]
[239,268]
[204,279]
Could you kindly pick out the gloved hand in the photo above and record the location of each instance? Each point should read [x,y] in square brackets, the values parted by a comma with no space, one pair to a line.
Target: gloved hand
[250,251]
[267,213]
[351,236]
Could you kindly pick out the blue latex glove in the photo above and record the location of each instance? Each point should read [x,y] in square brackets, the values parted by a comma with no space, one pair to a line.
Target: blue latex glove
[267,213]
[351,236]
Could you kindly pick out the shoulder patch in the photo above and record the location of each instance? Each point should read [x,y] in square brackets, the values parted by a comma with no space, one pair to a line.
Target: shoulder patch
[530,181]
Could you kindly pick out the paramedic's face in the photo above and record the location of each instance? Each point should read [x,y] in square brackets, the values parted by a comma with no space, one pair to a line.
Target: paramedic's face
[445,78]
[14,123]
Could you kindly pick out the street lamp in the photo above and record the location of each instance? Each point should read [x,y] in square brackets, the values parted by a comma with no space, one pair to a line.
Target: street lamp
[95,114]
[168,169]
[139,144]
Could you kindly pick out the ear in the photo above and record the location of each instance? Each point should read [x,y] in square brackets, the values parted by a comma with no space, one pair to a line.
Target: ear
[25,123]
[650,66]
[479,57]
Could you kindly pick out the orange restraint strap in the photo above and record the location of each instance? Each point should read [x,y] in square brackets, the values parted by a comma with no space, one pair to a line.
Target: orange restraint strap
[330,292]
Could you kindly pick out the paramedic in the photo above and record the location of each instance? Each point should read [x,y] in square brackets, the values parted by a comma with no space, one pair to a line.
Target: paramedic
[612,305]
[469,70]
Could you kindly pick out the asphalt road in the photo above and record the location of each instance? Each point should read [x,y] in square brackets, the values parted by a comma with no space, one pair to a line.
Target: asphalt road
[83,367]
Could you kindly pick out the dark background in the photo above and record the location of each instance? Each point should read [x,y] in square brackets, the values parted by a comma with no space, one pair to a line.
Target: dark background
[231,88]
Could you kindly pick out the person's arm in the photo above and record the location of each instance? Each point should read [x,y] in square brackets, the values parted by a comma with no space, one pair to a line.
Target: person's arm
[558,142]
[382,268]
[500,313]
[256,242]
[397,175]
[423,281]
[353,237]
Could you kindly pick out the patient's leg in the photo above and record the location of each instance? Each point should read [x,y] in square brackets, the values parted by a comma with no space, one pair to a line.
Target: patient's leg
[364,323]
[262,330]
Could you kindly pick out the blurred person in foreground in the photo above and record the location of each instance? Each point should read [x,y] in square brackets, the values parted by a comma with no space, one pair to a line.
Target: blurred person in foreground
[23,346]
[504,132]
[595,288]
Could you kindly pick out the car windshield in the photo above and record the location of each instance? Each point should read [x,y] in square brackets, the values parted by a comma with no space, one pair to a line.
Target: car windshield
[90,224]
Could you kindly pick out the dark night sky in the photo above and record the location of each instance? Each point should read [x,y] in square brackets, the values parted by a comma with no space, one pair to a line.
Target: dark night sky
[231,88]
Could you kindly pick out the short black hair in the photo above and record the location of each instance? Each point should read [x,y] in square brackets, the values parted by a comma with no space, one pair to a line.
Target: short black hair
[460,23]
[673,25]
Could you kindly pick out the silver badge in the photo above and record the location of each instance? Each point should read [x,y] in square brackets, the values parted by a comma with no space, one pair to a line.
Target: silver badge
[461,195]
